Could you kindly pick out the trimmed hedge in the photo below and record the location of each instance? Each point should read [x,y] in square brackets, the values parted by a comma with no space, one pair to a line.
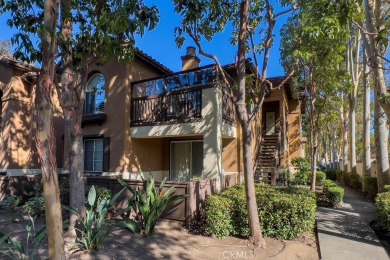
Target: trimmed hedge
[370,186]
[284,212]
[339,175]
[355,181]
[333,193]
[382,203]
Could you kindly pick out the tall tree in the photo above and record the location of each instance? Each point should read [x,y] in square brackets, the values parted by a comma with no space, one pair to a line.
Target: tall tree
[5,48]
[30,18]
[353,68]
[367,119]
[108,33]
[204,20]
[375,30]
[315,37]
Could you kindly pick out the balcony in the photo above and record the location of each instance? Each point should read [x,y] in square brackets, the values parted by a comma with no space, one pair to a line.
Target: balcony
[177,98]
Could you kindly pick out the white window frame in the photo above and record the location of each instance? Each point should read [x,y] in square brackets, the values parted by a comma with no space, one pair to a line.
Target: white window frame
[170,156]
[94,151]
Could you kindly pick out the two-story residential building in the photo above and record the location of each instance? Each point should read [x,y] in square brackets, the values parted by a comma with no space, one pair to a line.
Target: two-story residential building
[141,118]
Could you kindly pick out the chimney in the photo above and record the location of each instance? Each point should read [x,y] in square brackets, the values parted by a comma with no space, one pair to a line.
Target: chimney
[190,60]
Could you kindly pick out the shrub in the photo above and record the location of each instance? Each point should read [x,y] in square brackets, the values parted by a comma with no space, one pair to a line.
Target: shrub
[382,203]
[35,206]
[334,194]
[355,181]
[103,193]
[302,178]
[386,188]
[303,168]
[9,203]
[219,216]
[148,204]
[339,175]
[332,175]
[284,212]
[345,178]
[320,177]
[370,186]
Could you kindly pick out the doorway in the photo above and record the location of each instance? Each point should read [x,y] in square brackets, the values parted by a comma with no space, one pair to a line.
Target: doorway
[270,126]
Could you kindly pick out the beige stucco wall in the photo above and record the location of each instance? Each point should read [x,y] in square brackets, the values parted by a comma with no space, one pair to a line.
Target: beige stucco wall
[294,131]
[18,154]
[125,155]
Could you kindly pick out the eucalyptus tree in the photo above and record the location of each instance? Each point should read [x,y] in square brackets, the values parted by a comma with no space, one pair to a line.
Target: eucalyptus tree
[30,17]
[375,30]
[104,30]
[367,119]
[353,64]
[202,20]
[314,44]
[5,48]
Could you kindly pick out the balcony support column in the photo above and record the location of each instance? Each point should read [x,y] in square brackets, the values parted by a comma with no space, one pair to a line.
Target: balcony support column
[212,135]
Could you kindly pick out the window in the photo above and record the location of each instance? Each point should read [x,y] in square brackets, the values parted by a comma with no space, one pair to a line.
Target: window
[93,155]
[95,94]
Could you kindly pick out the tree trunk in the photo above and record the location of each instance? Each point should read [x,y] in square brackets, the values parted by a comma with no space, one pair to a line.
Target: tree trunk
[314,133]
[375,22]
[325,151]
[381,143]
[44,136]
[366,123]
[344,133]
[352,131]
[254,224]
[72,105]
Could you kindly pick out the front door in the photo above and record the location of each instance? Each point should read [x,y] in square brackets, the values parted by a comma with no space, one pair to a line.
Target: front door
[186,160]
[270,128]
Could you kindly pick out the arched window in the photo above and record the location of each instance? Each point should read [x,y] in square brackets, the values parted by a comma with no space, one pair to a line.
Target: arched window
[95,94]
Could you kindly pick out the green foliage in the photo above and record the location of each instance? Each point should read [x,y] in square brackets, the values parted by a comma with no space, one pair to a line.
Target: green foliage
[9,203]
[63,183]
[332,175]
[370,186]
[386,188]
[148,204]
[284,212]
[219,222]
[339,175]
[382,203]
[35,206]
[333,193]
[320,177]
[302,165]
[106,30]
[355,180]
[95,226]
[14,249]
[345,178]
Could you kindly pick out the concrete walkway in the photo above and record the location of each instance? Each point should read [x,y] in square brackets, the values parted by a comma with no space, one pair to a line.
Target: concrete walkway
[345,233]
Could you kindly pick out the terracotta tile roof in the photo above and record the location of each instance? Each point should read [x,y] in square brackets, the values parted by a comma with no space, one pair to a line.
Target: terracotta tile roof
[17,64]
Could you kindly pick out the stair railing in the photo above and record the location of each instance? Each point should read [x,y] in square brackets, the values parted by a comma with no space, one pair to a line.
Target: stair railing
[275,168]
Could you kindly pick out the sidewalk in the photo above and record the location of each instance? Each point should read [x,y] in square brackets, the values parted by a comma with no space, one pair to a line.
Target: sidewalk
[345,233]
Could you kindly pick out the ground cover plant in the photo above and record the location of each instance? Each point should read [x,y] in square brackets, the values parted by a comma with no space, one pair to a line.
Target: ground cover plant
[284,212]
[95,225]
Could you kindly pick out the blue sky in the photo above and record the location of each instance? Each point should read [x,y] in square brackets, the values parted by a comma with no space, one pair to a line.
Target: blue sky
[160,43]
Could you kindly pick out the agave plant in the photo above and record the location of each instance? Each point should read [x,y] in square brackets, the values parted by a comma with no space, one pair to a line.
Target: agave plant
[13,249]
[148,204]
[95,225]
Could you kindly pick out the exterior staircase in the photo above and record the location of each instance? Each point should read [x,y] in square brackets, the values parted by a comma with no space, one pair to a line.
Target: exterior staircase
[266,158]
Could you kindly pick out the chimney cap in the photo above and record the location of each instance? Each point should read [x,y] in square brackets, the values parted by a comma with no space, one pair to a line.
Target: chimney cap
[191,50]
